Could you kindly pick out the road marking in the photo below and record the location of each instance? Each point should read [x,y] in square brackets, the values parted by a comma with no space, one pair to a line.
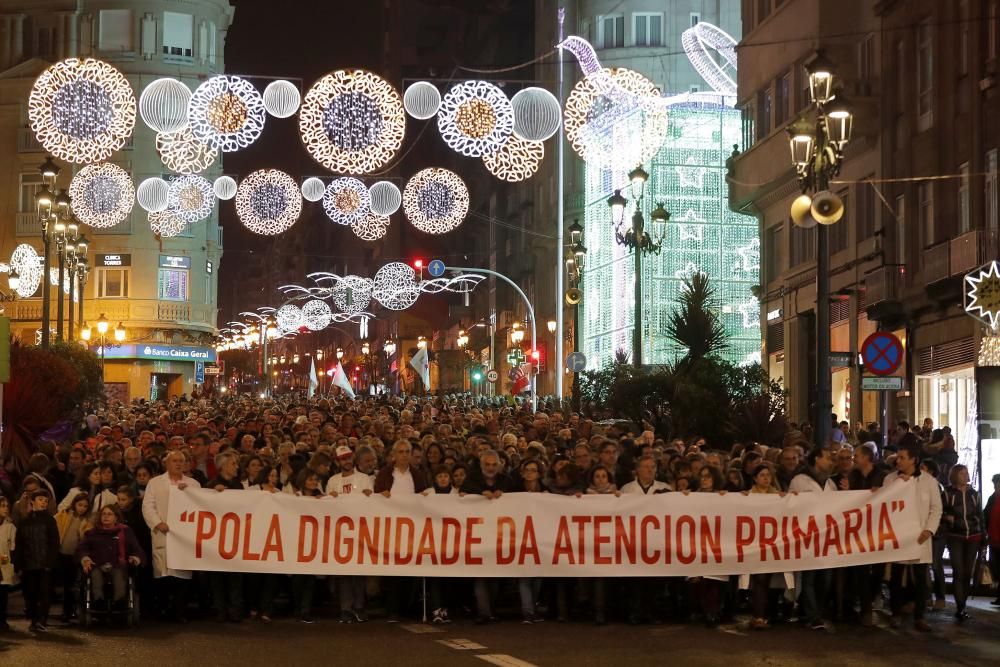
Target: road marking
[421,628]
[504,660]
[460,644]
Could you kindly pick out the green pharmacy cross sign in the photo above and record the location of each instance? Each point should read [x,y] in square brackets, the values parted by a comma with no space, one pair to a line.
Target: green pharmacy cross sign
[516,357]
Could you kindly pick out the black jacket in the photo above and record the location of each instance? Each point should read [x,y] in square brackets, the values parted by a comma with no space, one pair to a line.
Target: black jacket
[36,545]
[477,484]
[961,515]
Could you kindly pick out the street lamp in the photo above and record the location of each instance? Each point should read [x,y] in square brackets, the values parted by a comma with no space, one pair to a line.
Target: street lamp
[340,354]
[45,208]
[365,348]
[421,342]
[516,333]
[574,266]
[86,334]
[817,152]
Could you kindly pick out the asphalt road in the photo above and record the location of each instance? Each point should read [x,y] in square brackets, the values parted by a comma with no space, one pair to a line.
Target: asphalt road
[507,643]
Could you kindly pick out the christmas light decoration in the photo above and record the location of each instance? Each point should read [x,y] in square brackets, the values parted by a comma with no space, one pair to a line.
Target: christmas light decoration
[190,198]
[516,160]
[697,40]
[281,98]
[346,201]
[227,113]
[436,200]
[313,189]
[152,194]
[989,351]
[422,100]
[395,286]
[385,197]
[537,114]
[288,318]
[224,187]
[268,202]
[982,294]
[316,315]
[81,111]
[352,121]
[163,105]
[102,195]
[184,153]
[371,228]
[475,118]
[353,294]
[28,264]
[166,224]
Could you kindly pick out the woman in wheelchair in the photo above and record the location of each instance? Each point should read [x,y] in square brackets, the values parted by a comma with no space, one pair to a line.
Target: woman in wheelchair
[106,551]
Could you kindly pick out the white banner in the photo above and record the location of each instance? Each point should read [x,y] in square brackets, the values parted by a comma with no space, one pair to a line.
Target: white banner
[539,535]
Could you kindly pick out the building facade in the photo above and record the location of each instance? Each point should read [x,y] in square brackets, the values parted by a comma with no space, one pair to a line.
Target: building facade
[162,291]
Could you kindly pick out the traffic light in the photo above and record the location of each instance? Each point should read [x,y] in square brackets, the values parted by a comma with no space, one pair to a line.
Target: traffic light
[418,264]
[538,359]
[477,376]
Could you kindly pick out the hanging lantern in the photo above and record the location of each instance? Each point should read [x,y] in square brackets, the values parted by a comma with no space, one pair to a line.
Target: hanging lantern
[163,105]
[386,198]
[313,189]
[281,98]
[224,187]
[421,100]
[536,114]
[152,194]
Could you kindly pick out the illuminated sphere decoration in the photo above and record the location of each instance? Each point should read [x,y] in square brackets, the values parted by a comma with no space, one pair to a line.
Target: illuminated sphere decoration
[353,294]
[346,200]
[166,224]
[316,315]
[224,187]
[268,202]
[282,98]
[422,100]
[152,194]
[436,200]
[475,118]
[288,317]
[183,153]
[537,114]
[371,228]
[352,121]
[386,198]
[313,189]
[102,195]
[516,160]
[227,113]
[81,111]
[191,198]
[395,286]
[28,264]
[163,105]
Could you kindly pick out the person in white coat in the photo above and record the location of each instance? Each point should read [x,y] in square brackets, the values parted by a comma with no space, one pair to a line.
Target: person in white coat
[171,583]
[912,575]
[815,584]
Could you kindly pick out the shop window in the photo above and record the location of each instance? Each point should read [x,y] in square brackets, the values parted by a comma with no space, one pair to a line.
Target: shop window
[31,183]
[647,29]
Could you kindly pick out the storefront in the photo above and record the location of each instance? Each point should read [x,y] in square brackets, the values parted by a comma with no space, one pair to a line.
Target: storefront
[949,398]
[155,371]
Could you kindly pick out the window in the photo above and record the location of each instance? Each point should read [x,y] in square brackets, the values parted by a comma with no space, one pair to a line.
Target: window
[749,119]
[963,37]
[647,29]
[773,255]
[866,54]
[763,9]
[782,89]
[803,245]
[866,209]
[112,283]
[901,229]
[964,215]
[763,113]
[178,34]
[901,66]
[925,75]
[612,32]
[46,42]
[990,191]
[116,31]
[173,285]
[31,183]
[925,200]
[839,230]
[695,18]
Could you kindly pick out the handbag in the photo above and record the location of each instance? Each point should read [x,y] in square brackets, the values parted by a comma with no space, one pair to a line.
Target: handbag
[7,576]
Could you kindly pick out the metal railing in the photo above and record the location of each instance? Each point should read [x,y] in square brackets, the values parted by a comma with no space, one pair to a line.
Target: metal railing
[937,263]
[971,250]
[884,284]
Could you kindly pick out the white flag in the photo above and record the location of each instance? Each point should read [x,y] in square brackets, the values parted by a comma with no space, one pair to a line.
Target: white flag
[421,364]
[340,380]
[313,380]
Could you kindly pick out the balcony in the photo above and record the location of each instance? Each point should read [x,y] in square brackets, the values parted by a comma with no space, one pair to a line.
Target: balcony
[937,263]
[971,250]
[173,312]
[883,292]
[27,224]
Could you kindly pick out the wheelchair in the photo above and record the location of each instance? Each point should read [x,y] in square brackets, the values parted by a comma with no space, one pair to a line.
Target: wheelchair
[107,609]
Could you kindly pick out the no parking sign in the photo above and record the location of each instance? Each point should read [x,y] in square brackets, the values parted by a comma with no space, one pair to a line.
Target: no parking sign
[882,353]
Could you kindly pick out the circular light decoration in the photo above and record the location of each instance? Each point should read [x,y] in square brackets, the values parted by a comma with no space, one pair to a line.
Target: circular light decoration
[516,160]
[152,194]
[227,113]
[28,264]
[386,198]
[436,200]
[371,228]
[163,105]
[102,195]
[536,114]
[81,111]
[224,187]
[352,121]
[346,200]
[316,315]
[166,224]
[313,189]
[395,286]
[182,152]
[288,317]
[697,40]
[281,98]
[191,198]
[475,118]
[268,202]
[422,100]
[353,294]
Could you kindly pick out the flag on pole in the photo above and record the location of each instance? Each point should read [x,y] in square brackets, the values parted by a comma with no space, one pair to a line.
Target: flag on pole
[521,378]
[340,380]
[313,380]
[422,365]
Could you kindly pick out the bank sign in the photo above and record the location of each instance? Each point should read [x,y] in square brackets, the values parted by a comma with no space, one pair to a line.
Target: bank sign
[160,352]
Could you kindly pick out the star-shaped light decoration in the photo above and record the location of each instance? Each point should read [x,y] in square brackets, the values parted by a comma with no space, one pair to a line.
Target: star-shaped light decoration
[691,175]
[692,233]
[750,310]
[687,272]
[982,294]
[749,257]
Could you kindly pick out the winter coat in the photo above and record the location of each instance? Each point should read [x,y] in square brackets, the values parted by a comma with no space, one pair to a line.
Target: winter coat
[384,479]
[928,507]
[8,533]
[36,545]
[65,517]
[960,513]
[110,546]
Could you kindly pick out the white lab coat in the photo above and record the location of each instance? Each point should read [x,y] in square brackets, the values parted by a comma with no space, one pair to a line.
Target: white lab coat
[154,511]
[928,507]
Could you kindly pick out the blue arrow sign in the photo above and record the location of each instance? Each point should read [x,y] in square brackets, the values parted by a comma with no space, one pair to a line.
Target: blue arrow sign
[576,362]
[436,268]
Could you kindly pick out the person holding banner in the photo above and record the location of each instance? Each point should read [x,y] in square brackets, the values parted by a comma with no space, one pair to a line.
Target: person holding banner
[490,483]
[815,478]
[351,588]
[227,587]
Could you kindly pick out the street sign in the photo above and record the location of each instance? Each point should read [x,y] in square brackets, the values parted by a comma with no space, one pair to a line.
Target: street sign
[882,353]
[212,370]
[840,359]
[199,372]
[576,362]
[492,376]
[436,268]
[892,383]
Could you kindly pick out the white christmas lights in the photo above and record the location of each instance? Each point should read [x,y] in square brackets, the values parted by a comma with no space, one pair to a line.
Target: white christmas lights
[516,160]
[697,41]
[288,317]
[227,113]
[28,264]
[537,114]
[475,118]
[282,98]
[353,294]
[152,194]
[371,228]
[268,202]
[386,198]
[102,195]
[163,105]
[224,187]
[166,224]
[313,189]
[316,315]
[346,201]
[422,100]
[190,198]
[436,200]
[184,153]
[395,286]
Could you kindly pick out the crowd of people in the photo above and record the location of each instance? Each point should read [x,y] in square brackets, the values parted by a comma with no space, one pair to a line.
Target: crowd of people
[96,506]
